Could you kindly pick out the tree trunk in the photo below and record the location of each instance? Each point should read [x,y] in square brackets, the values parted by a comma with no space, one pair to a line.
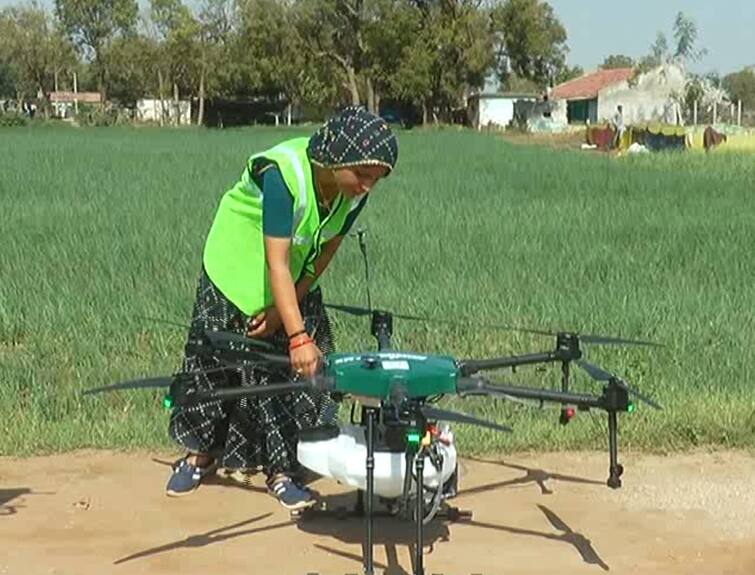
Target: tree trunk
[176,105]
[200,113]
[371,97]
[100,78]
[288,114]
[161,90]
[101,89]
[424,113]
[353,87]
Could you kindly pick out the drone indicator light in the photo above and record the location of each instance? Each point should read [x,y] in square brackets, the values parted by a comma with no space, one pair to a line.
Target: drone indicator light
[631,407]
[167,402]
[570,412]
[413,438]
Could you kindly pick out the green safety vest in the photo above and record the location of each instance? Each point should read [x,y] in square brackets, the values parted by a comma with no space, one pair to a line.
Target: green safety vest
[234,253]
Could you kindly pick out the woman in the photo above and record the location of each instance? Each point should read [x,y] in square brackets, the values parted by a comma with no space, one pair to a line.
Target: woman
[273,235]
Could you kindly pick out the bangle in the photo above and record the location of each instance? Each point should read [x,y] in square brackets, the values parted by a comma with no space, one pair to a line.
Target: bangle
[303,341]
[300,332]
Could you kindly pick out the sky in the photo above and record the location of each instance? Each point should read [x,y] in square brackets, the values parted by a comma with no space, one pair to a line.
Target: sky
[597,28]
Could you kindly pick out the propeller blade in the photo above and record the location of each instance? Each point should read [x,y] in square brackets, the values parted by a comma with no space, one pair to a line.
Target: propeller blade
[644,398]
[164,321]
[217,336]
[230,337]
[318,383]
[147,383]
[445,415]
[353,310]
[234,357]
[586,338]
[150,382]
[599,374]
[608,340]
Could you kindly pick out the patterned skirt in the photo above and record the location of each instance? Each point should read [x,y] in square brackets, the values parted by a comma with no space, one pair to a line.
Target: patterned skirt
[249,433]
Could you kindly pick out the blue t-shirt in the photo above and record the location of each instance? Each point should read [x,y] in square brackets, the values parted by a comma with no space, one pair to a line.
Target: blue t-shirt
[278,205]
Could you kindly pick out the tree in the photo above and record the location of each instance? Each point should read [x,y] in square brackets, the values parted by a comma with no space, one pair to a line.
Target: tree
[334,30]
[179,52]
[685,34]
[531,40]
[131,60]
[741,86]
[216,29]
[36,51]
[7,80]
[659,48]
[93,25]
[569,73]
[273,53]
[617,61]
[7,71]
[391,26]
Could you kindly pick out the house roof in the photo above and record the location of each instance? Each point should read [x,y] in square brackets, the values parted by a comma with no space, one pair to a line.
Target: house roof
[589,85]
[505,96]
[86,97]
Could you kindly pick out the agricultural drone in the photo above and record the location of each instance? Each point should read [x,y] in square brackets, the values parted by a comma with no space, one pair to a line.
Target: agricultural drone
[398,437]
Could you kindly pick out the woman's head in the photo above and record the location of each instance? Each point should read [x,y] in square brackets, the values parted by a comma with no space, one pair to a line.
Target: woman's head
[358,146]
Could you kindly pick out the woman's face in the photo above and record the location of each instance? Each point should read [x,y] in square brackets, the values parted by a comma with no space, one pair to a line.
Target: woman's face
[357,180]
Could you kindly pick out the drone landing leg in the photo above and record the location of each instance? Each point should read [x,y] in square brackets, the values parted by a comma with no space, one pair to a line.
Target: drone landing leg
[616,469]
[418,567]
[368,562]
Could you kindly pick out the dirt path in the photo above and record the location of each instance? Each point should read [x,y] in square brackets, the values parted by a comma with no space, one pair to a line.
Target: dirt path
[101,512]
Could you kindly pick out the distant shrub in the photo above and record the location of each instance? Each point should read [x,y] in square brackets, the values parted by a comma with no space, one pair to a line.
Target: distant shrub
[8,119]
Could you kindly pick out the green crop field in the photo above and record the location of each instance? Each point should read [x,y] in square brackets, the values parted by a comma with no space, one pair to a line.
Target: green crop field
[102,228]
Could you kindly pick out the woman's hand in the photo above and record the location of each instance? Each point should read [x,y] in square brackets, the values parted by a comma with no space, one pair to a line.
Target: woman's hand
[305,359]
[265,323]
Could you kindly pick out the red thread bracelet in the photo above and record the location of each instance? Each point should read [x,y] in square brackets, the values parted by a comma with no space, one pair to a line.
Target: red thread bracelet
[304,341]
[297,334]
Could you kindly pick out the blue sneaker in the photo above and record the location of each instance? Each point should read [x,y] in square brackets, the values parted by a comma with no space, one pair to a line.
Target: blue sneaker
[186,477]
[290,495]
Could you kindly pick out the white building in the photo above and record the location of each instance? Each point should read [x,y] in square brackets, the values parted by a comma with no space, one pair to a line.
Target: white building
[491,110]
[594,98]
[150,110]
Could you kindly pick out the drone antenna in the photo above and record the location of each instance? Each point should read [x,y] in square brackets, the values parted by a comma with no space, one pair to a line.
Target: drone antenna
[363,248]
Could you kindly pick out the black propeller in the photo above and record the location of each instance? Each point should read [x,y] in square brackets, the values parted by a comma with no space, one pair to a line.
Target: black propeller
[218,336]
[599,374]
[221,337]
[445,415]
[586,338]
[149,382]
[317,383]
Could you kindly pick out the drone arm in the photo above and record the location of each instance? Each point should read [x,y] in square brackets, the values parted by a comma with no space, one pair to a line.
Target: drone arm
[480,386]
[472,366]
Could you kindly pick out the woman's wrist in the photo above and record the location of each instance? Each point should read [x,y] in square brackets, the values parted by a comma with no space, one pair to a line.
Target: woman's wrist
[300,341]
[297,333]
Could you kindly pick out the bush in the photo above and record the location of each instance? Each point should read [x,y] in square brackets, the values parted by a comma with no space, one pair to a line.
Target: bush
[95,116]
[8,119]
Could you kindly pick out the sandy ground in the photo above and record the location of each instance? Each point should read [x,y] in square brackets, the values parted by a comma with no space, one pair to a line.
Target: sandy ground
[102,512]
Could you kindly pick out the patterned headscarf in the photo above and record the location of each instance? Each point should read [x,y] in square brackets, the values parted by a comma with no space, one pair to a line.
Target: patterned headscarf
[354,137]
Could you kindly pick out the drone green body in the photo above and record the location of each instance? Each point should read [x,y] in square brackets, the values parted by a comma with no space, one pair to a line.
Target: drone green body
[378,374]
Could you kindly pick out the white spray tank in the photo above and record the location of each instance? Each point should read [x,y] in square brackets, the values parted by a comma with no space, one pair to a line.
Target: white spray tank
[344,458]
